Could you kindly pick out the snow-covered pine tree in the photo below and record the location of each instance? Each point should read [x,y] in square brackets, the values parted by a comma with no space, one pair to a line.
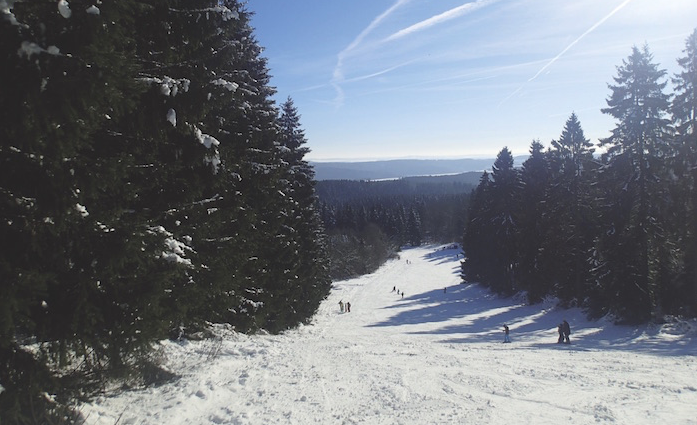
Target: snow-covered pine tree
[80,277]
[632,243]
[306,268]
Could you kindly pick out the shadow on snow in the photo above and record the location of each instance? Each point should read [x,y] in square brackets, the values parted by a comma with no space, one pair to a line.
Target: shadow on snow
[469,313]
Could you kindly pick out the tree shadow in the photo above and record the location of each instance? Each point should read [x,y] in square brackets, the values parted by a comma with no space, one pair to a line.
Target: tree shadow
[469,313]
[446,254]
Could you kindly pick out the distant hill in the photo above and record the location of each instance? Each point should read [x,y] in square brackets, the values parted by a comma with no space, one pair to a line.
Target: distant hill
[392,169]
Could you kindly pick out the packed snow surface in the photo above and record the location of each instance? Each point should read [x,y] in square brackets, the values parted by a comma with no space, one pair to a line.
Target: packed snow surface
[433,356]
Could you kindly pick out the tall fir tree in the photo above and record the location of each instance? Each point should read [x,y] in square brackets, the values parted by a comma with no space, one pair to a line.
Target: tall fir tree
[84,276]
[532,222]
[571,228]
[476,243]
[632,246]
[682,296]
[494,216]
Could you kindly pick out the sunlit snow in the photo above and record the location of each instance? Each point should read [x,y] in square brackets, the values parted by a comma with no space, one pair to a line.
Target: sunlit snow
[433,356]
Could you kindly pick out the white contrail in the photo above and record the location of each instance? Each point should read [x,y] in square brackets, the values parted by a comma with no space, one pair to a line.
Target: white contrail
[338,74]
[573,43]
[445,16]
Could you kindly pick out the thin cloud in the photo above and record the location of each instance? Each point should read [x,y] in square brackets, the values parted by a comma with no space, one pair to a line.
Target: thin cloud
[440,18]
[378,73]
[573,43]
[567,48]
[338,74]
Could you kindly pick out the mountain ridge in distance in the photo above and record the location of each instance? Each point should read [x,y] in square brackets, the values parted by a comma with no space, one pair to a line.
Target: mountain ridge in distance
[400,168]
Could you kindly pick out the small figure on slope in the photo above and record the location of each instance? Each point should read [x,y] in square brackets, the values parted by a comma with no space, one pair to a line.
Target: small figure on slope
[348,307]
[341,306]
[560,329]
[506,338]
[566,330]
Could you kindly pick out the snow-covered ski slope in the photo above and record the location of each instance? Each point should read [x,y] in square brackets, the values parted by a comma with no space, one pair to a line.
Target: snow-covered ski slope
[433,357]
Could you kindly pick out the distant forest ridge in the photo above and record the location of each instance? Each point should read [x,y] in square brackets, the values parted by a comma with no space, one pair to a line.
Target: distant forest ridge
[398,168]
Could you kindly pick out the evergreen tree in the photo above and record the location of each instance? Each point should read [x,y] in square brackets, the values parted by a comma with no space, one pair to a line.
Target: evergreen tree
[633,243]
[82,275]
[493,215]
[303,251]
[683,295]
[532,223]
[570,231]
[477,243]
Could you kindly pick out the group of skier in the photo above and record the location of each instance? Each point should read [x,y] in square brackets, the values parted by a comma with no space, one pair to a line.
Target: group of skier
[564,330]
[344,307]
[394,288]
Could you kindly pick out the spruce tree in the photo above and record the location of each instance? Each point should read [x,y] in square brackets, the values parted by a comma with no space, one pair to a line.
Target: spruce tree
[632,244]
[533,221]
[83,275]
[493,215]
[571,214]
[683,295]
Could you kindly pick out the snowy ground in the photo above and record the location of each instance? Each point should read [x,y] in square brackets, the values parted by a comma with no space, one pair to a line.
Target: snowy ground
[432,357]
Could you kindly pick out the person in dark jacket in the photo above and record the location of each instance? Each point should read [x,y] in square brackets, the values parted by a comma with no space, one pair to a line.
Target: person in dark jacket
[566,330]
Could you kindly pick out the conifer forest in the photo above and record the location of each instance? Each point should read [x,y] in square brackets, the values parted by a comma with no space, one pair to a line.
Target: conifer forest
[614,233]
[150,186]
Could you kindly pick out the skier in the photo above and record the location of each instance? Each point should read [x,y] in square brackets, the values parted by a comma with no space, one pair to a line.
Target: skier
[348,307]
[566,330]
[341,306]
[560,329]
[506,338]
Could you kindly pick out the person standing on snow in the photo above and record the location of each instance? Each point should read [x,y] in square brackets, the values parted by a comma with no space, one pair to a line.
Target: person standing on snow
[348,307]
[560,329]
[566,330]
[506,338]
[341,306]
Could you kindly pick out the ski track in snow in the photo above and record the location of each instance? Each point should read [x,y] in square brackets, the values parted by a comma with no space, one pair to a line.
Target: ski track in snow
[432,357]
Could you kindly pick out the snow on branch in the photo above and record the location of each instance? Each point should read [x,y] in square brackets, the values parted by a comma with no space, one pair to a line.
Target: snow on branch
[231,86]
[175,250]
[168,85]
[225,12]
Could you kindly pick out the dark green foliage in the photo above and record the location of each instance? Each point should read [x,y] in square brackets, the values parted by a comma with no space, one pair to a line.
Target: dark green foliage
[146,187]
[368,221]
[478,246]
[571,216]
[682,292]
[633,209]
[533,222]
[614,234]
[493,213]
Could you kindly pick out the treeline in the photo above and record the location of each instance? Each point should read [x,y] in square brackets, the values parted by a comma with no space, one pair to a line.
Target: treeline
[613,233]
[367,222]
[148,186]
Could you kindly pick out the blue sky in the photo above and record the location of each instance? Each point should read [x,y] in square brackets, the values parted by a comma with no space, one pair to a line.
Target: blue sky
[388,79]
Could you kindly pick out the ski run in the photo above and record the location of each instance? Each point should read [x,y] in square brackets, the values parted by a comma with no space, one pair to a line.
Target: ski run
[434,354]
